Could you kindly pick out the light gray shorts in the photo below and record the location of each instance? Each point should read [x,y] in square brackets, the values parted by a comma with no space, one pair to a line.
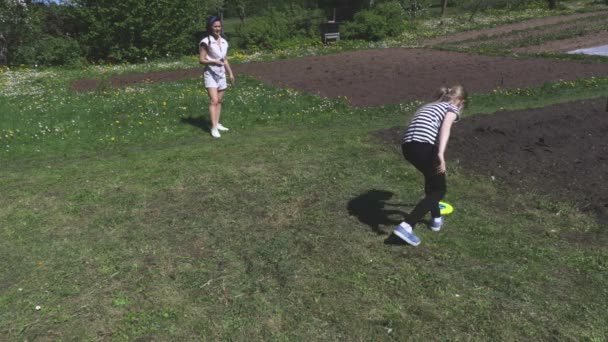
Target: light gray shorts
[213,80]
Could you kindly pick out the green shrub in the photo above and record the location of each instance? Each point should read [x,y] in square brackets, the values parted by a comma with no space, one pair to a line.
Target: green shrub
[366,25]
[382,21]
[417,8]
[58,51]
[131,30]
[273,28]
[49,50]
[258,32]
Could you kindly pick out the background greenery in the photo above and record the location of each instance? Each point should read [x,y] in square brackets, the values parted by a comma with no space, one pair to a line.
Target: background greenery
[77,32]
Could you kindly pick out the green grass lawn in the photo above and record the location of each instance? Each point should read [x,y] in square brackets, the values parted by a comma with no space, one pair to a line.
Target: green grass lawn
[124,220]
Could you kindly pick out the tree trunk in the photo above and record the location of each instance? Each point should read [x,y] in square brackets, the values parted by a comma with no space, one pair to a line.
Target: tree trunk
[552,4]
[444,5]
[242,14]
[477,6]
[3,50]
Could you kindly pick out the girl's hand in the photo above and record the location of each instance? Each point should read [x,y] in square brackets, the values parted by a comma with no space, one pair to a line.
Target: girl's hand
[232,79]
[441,168]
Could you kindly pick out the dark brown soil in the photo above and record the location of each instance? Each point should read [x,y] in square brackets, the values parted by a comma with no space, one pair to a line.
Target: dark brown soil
[560,151]
[87,84]
[389,76]
[385,76]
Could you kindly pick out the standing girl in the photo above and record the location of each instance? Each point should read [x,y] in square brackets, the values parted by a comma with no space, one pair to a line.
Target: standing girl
[423,144]
[212,53]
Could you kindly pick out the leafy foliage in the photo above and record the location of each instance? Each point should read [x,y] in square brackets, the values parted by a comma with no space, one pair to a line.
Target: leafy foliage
[382,21]
[17,25]
[273,27]
[133,29]
[44,32]
[50,50]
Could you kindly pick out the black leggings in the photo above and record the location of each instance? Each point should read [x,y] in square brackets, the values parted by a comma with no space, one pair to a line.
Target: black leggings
[424,158]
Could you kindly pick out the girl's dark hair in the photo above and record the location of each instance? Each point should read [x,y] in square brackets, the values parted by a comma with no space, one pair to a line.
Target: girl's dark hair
[210,23]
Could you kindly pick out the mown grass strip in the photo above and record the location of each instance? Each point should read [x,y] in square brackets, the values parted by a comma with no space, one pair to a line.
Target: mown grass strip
[540,34]
[253,238]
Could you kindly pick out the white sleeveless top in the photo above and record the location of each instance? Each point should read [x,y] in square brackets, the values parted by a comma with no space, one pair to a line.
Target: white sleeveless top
[216,49]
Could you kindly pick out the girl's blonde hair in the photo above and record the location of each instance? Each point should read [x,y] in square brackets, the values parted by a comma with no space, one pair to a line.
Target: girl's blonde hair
[456,92]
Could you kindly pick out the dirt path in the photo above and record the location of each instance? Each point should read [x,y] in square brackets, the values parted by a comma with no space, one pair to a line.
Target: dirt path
[566,45]
[524,25]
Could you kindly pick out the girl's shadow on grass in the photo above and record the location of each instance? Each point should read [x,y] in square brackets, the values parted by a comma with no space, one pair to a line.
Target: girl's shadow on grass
[371,209]
[202,123]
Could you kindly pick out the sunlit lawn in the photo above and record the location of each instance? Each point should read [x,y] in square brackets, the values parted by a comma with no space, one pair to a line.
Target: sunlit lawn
[122,219]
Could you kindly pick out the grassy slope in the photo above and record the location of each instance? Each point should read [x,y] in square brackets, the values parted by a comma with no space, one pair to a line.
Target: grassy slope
[172,235]
[166,234]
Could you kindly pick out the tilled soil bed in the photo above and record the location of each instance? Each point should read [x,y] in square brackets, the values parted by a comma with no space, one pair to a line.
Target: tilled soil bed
[560,151]
[389,76]
[386,76]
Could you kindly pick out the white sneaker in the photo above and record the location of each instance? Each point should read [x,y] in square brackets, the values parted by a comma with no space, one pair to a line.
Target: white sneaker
[405,232]
[215,133]
[221,127]
[436,224]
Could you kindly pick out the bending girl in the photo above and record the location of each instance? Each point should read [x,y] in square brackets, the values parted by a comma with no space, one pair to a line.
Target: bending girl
[423,144]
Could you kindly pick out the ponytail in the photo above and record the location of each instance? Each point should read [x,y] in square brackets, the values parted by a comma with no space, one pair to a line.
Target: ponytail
[456,92]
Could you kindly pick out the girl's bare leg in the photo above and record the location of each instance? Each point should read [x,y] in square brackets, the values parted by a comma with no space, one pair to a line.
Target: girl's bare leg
[215,105]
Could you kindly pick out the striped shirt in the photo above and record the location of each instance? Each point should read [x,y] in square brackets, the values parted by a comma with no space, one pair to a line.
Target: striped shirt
[426,123]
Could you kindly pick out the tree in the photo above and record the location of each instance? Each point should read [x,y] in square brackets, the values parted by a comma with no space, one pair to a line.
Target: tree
[15,26]
[130,30]
[216,7]
[241,6]
[3,50]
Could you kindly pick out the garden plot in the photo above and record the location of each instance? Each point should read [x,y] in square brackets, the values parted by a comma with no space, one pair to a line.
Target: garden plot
[559,34]
[530,25]
[390,76]
[559,151]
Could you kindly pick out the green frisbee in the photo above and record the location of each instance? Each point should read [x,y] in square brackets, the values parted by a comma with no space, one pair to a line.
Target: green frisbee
[445,208]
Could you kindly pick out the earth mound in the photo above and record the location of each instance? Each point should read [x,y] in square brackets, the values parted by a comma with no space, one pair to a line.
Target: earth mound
[560,151]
